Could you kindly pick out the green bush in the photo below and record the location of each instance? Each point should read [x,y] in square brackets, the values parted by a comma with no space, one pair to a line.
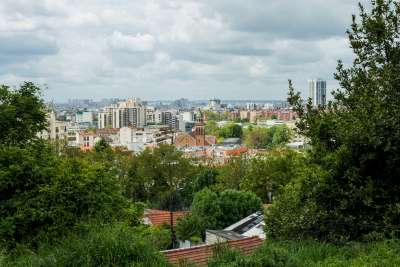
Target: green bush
[108,245]
[313,254]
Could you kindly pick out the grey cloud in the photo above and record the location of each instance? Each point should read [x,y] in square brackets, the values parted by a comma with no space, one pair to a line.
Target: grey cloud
[172,48]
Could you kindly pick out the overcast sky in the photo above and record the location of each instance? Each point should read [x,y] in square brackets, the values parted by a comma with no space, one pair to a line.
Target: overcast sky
[167,49]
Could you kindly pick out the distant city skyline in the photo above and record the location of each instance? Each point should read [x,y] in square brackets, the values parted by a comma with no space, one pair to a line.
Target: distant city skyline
[167,49]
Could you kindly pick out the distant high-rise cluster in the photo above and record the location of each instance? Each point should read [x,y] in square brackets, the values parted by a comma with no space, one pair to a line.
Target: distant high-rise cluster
[317,92]
[131,112]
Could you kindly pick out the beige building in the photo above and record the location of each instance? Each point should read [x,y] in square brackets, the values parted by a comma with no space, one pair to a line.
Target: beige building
[56,130]
[131,112]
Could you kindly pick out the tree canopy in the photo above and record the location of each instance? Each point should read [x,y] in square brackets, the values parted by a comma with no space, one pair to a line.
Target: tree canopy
[355,139]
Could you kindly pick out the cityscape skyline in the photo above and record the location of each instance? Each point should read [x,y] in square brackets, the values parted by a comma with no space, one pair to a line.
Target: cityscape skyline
[170,49]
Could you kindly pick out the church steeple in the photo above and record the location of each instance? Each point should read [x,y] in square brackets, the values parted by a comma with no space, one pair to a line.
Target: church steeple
[199,130]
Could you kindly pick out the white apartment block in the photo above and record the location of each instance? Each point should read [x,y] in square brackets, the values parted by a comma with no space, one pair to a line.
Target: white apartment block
[131,112]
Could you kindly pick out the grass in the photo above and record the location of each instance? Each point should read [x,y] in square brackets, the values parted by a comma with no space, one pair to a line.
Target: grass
[315,254]
[121,245]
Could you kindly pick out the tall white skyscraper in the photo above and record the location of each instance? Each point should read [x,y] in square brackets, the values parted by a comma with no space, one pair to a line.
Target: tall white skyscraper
[131,112]
[317,92]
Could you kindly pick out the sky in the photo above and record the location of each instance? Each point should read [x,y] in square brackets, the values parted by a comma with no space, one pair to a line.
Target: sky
[168,49]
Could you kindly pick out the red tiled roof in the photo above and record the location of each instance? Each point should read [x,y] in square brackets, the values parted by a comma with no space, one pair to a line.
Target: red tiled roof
[236,152]
[159,217]
[200,255]
[108,131]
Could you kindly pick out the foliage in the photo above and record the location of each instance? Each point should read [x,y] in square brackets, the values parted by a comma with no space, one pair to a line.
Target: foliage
[45,195]
[206,206]
[189,227]
[232,173]
[235,205]
[159,176]
[205,177]
[216,116]
[158,236]
[218,211]
[231,130]
[22,114]
[314,254]
[101,145]
[266,176]
[355,140]
[260,137]
[96,245]
[212,128]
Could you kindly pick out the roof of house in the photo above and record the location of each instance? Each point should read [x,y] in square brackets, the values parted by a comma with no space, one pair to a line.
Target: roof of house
[108,131]
[160,217]
[226,234]
[236,152]
[249,226]
[228,141]
[200,255]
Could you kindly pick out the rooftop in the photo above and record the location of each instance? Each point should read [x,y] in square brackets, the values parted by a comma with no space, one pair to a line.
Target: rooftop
[200,255]
[160,217]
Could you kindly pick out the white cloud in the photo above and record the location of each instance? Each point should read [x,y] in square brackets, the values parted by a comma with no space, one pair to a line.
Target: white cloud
[132,43]
[171,48]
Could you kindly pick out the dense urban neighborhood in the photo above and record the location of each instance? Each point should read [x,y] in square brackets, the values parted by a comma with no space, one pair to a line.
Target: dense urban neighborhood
[310,180]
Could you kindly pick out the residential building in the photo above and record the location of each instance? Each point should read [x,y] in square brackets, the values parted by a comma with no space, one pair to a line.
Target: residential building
[87,140]
[214,104]
[131,112]
[84,117]
[317,92]
[56,130]
[138,139]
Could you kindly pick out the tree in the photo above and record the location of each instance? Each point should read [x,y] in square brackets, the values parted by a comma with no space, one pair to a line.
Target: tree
[43,195]
[218,211]
[235,205]
[206,206]
[206,177]
[161,176]
[189,227]
[231,130]
[212,128]
[101,145]
[22,114]
[266,176]
[260,137]
[231,175]
[355,139]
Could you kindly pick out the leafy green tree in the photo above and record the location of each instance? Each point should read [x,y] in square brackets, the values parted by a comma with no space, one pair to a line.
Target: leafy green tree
[231,175]
[235,205]
[22,114]
[101,145]
[266,176]
[190,228]
[206,177]
[281,136]
[260,137]
[161,176]
[212,128]
[218,211]
[206,206]
[355,139]
[231,130]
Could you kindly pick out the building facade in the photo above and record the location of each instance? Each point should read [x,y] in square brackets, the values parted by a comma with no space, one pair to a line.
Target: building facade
[317,92]
[131,112]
